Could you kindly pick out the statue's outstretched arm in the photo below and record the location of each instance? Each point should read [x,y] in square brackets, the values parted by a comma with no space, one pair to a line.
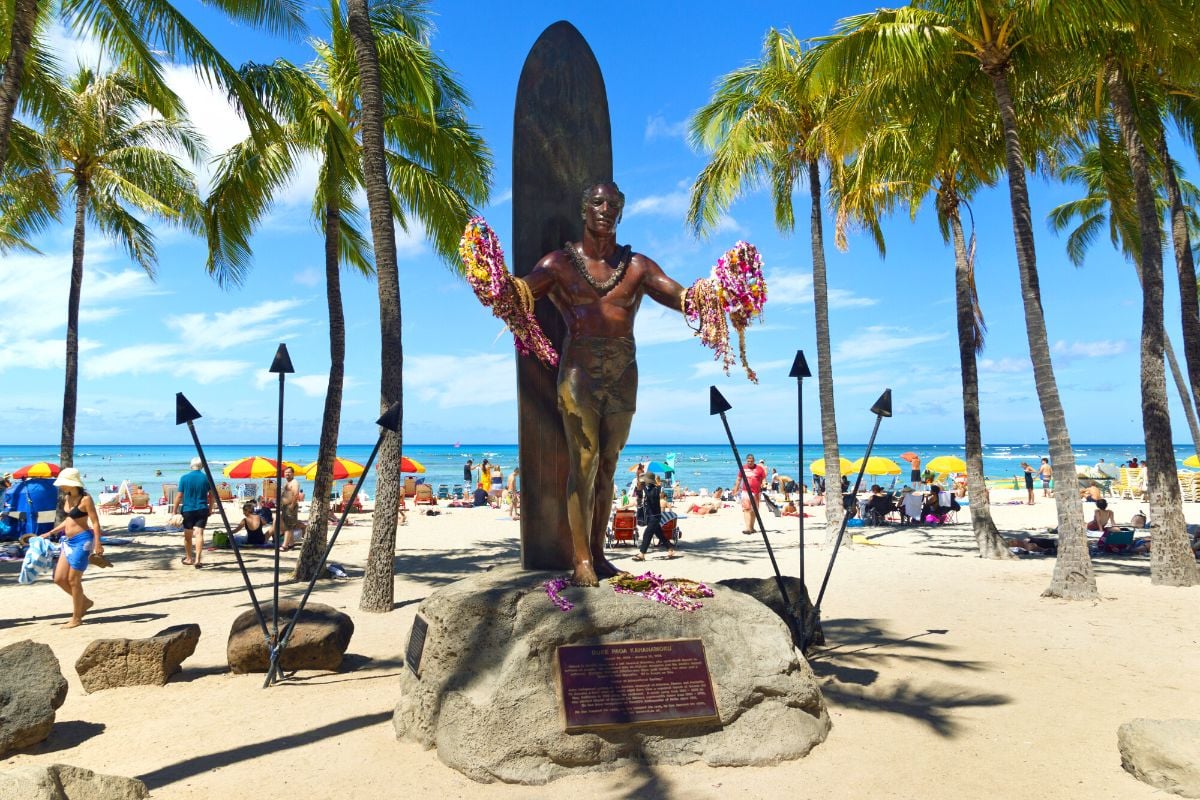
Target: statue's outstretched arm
[511,299]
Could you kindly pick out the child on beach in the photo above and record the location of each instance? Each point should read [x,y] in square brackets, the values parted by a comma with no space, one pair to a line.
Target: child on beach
[80,541]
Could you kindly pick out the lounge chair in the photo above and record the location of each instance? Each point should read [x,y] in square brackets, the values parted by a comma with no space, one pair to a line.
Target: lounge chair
[347,491]
[169,490]
[457,492]
[247,491]
[1129,484]
[224,492]
[410,486]
[140,501]
[268,490]
[443,492]
[423,495]
[623,527]
[1116,540]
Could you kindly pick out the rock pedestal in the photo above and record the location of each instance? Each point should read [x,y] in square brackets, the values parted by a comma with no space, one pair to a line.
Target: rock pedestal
[32,686]
[108,663]
[64,782]
[486,695]
[1163,753]
[318,642]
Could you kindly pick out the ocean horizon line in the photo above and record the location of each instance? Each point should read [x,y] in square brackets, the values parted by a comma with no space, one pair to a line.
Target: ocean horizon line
[807,444]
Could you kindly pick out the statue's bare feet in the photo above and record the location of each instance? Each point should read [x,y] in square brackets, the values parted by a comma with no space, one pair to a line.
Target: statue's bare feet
[584,575]
[604,567]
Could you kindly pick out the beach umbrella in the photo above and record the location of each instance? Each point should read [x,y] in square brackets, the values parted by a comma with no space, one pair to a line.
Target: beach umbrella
[877,465]
[818,467]
[343,468]
[411,465]
[947,464]
[256,467]
[1192,461]
[42,469]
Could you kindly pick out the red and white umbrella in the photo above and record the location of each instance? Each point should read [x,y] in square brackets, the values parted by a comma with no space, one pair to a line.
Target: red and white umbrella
[42,469]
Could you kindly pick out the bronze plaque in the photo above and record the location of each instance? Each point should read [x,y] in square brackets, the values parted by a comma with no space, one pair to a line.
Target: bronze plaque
[416,644]
[634,683]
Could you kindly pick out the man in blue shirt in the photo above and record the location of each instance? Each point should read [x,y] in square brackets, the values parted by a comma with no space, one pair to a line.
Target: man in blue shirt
[192,500]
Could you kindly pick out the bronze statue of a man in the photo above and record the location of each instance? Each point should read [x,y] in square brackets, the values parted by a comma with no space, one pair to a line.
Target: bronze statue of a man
[597,286]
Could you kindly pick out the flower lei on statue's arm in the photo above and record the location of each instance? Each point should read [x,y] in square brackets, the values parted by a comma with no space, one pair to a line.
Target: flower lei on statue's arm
[737,288]
[509,298]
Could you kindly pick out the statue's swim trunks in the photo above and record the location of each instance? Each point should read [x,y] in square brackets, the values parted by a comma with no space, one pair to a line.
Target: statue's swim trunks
[598,373]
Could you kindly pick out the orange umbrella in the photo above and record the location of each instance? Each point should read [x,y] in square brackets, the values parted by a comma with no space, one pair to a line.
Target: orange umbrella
[343,468]
[912,458]
[42,469]
[256,467]
[411,465]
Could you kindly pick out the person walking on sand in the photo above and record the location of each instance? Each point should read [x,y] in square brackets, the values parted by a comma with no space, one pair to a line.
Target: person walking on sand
[751,493]
[1028,481]
[1046,473]
[652,502]
[514,494]
[79,542]
[192,502]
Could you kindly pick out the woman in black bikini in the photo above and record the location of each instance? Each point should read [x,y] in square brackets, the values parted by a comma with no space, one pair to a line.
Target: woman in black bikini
[78,542]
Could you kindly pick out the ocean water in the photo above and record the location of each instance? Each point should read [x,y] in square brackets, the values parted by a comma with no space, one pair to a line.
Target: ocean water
[707,465]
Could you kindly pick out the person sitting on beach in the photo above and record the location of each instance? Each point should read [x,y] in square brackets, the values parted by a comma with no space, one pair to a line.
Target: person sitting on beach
[255,526]
[789,509]
[932,511]
[481,495]
[910,506]
[1102,519]
[879,505]
[1133,463]
[960,485]
[705,505]
[1091,493]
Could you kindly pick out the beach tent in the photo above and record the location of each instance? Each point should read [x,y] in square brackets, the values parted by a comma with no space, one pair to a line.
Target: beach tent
[29,506]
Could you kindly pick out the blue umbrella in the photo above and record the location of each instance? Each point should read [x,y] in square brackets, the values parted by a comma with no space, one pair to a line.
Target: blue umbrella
[658,466]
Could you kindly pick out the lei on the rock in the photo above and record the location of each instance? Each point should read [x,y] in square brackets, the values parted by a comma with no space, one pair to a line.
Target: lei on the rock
[679,593]
[509,298]
[737,288]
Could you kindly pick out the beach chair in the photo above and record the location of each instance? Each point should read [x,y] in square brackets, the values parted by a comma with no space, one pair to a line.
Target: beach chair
[224,492]
[670,528]
[248,491]
[140,501]
[1118,540]
[423,495]
[268,490]
[622,528]
[457,491]
[169,491]
[410,486]
[340,506]
[443,492]
[668,493]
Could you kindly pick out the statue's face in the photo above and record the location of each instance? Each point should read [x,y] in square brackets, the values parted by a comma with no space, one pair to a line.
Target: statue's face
[602,209]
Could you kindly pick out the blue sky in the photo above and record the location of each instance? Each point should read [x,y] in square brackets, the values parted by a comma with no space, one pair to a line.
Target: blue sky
[892,319]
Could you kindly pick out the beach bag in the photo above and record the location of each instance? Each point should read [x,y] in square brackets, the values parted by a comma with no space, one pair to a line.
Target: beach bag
[138,524]
[220,539]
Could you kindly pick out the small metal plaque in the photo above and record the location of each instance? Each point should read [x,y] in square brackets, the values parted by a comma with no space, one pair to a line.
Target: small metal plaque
[634,683]
[416,644]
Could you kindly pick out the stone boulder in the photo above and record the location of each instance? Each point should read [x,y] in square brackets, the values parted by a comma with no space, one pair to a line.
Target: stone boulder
[108,663]
[319,640]
[486,695]
[766,591]
[31,687]
[1163,753]
[64,782]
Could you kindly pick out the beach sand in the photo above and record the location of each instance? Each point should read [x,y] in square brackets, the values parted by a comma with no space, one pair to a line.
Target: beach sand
[946,675]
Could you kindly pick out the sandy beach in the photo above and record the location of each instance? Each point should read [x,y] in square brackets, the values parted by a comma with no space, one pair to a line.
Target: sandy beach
[946,676]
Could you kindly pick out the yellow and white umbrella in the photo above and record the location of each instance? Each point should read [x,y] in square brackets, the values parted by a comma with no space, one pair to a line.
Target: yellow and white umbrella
[947,464]
[877,465]
[818,467]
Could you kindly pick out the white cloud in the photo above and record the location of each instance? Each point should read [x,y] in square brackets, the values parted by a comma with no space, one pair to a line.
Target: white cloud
[713,368]
[502,198]
[208,107]
[658,325]
[789,288]
[1005,365]
[1089,349]
[309,277]
[72,50]
[250,324]
[138,359]
[448,381]
[211,370]
[879,342]
[657,127]
[315,385]
[674,204]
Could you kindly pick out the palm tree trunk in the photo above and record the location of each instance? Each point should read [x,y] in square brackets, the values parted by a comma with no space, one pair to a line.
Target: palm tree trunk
[1185,267]
[25,13]
[66,449]
[1073,577]
[1171,560]
[315,538]
[991,544]
[378,581]
[833,473]
[1185,397]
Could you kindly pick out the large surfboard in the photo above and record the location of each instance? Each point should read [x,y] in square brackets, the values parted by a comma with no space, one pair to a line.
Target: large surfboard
[561,141]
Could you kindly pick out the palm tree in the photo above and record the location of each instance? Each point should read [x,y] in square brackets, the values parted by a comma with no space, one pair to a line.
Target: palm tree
[440,159]
[132,33]
[418,80]
[111,160]
[904,149]
[763,126]
[30,201]
[1005,41]
[1103,170]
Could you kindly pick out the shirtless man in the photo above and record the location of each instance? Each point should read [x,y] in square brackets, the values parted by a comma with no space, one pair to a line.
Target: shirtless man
[597,286]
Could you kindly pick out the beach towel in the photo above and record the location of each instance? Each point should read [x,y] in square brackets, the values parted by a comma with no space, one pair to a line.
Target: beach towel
[39,558]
